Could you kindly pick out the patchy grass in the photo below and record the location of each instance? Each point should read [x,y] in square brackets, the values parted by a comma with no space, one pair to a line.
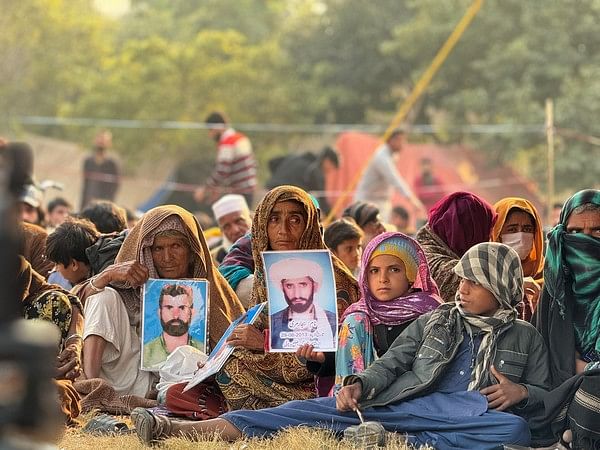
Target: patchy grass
[294,439]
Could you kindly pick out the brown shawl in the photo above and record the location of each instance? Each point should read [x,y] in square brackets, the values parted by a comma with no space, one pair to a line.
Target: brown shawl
[224,305]
[34,248]
[441,261]
[311,239]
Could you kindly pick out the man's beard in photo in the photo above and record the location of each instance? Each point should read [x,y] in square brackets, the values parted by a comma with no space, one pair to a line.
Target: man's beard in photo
[175,327]
[295,308]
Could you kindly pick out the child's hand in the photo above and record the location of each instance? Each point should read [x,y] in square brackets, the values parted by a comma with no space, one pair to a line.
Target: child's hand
[306,352]
[347,397]
[505,394]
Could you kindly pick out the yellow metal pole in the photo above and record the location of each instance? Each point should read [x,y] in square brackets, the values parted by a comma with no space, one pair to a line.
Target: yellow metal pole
[417,91]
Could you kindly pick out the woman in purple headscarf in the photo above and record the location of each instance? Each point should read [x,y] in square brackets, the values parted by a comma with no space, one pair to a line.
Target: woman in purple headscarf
[396,288]
[455,224]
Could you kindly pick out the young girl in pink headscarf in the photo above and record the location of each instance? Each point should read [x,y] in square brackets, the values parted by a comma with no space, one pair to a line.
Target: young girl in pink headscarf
[396,288]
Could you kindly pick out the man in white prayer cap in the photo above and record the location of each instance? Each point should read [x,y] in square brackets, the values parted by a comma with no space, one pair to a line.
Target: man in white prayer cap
[303,320]
[233,216]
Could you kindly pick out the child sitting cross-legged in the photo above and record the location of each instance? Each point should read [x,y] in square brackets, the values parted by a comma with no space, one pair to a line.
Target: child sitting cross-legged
[465,375]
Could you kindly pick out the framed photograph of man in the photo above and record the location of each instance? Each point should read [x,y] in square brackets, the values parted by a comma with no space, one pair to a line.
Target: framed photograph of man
[174,313]
[302,300]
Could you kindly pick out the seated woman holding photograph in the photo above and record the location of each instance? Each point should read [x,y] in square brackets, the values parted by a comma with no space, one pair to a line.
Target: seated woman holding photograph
[166,243]
[252,378]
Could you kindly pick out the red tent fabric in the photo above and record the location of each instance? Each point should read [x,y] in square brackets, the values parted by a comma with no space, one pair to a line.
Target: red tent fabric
[457,167]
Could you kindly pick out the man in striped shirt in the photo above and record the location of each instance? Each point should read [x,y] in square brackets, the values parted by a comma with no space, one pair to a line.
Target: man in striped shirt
[235,168]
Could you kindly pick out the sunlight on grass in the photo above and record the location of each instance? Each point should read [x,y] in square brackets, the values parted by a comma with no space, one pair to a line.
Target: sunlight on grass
[296,439]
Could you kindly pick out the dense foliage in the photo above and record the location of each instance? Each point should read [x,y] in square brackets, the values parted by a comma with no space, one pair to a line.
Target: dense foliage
[311,62]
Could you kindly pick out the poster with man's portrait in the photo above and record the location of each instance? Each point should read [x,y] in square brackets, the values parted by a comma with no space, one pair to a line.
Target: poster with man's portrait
[302,300]
[174,313]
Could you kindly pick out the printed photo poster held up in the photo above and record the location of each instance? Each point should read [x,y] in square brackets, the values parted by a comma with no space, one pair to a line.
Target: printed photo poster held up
[174,313]
[301,299]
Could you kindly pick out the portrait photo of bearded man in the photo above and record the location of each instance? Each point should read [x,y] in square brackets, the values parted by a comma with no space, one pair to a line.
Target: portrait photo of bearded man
[306,318]
[175,312]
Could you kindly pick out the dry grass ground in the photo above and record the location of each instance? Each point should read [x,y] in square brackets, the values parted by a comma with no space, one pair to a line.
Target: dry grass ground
[297,439]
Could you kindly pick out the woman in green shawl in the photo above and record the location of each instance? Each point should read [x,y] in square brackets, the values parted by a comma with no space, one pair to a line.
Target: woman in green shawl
[569,318]
[568,314]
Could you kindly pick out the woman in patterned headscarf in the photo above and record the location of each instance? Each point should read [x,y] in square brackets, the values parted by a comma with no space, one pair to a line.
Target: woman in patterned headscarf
[286,219]
[455,223]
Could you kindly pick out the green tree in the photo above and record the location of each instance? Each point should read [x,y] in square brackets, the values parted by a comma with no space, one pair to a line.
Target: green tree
[49,52]
[514,56]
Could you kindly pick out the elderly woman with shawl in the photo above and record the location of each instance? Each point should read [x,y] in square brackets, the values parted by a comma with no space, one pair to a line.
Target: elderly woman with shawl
[286,219]
[455,224]
[568,316]
[465,375]
[166,243]
[519,226]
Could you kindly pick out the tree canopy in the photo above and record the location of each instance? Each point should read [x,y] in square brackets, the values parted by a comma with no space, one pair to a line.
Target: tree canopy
[309,61]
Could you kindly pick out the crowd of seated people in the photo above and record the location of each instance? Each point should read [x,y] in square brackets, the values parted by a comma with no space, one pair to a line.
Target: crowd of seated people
[474,334]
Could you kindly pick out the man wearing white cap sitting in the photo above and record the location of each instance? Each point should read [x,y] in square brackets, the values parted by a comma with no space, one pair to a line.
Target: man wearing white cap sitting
[299,280]
[233,216]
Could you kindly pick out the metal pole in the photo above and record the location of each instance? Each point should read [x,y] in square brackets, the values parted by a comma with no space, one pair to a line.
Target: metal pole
[417,91]
[550,140]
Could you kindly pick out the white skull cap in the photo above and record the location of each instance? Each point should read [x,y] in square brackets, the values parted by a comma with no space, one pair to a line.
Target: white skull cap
[229,203]
[291,268]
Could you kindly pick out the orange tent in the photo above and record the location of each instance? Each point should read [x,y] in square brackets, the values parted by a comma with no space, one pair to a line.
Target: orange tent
[457,167]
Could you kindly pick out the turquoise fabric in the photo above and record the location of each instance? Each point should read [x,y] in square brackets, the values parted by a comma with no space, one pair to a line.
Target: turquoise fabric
[572,274]
[356,349]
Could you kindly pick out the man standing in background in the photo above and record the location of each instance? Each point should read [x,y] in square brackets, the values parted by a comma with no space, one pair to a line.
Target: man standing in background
[100,172]
[381,173]
[235,168]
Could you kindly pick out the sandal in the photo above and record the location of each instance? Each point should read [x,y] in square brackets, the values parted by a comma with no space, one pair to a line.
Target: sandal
[149,427]
[106,424]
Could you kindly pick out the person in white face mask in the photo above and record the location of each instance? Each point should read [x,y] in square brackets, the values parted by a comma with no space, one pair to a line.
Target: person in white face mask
[519,226]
